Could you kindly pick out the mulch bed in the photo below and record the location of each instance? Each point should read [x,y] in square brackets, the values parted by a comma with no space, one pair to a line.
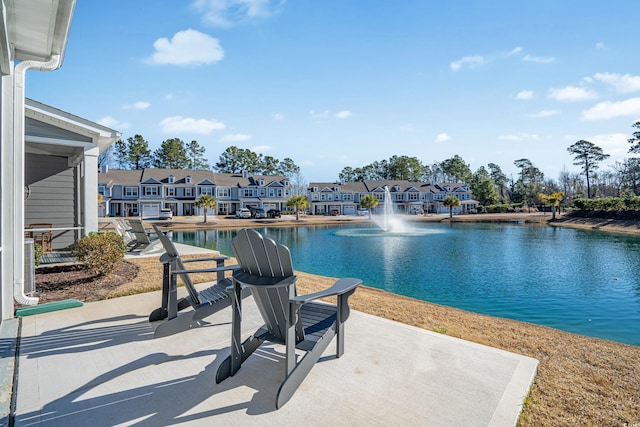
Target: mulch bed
[57,283]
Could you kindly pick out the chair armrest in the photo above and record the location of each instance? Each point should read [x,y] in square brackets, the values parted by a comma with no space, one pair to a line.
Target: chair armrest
[208,270]
[342,286]
[260,281]
[216,258]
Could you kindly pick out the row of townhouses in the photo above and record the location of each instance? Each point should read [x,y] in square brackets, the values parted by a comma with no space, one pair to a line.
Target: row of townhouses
[406,196]
[144,192]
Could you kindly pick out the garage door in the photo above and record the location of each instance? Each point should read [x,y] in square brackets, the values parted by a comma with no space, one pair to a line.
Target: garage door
[349,209]
[150,210]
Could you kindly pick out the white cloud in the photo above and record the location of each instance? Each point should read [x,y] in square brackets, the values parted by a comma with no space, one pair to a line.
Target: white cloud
[609,110]
[235,137]
[515,51]
[113,123]
[227,13]
[188,47]
[278,116]
[544,113]
[469,61]
[140,105]
[623,83]
[261,148]
[179,124]
[600,46]
[319,115]
[525,95]
[614,144]
[572,93]
[523,136]
[343,114]
[407,128]
[538,59]
[442,137]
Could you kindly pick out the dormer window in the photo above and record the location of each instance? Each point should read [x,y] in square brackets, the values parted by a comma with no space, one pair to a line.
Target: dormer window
[172,179]
[261,182]
[396,187]
[188,179]
[336,189]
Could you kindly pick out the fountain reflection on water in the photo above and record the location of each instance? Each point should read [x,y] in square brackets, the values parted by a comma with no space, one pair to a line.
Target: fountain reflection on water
[388,224]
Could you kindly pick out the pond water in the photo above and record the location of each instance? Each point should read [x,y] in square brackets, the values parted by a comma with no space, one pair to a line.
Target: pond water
[581,281]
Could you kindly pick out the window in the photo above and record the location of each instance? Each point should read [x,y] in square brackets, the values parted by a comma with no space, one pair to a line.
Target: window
[188,192]
[248,192]
[131,209]
[171,192]
[151,191]
[347,197]
[272,192]
[206,190]
[223,192]
[131,191]
[413,196]
[187,179]
[172,179]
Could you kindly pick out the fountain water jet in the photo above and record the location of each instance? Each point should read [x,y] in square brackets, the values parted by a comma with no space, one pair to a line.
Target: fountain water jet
[388,222]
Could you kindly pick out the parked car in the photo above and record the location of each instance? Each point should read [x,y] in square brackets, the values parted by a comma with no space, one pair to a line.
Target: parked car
[259,213]
[274,213]
[334,212]
[362,212]
[243,213]
[165,214]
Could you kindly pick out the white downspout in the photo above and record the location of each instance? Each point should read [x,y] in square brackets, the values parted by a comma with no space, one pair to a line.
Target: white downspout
[18,172]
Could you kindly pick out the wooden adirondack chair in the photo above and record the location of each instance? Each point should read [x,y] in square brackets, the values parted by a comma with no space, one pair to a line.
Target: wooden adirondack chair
[296,321]
[204,303]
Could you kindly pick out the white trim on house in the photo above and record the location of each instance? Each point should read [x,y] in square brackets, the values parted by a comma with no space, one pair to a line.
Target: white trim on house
[33,35]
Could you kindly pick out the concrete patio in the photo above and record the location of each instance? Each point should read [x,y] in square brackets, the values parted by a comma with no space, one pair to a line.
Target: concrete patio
[99,365]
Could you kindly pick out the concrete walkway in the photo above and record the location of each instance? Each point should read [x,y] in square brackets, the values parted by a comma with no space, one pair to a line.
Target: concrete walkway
[99,365]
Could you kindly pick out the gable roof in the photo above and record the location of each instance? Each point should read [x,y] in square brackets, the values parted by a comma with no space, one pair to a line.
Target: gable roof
[117,176]
[180,175]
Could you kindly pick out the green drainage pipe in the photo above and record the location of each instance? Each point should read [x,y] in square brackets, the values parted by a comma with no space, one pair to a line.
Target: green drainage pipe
[47,307]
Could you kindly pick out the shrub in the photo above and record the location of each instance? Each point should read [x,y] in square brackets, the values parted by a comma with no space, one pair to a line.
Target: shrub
[101,252]
[37,254]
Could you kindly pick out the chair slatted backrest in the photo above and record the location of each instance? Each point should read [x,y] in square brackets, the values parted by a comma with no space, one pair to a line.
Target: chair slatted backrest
[261,256]
[137,228]
[177,264]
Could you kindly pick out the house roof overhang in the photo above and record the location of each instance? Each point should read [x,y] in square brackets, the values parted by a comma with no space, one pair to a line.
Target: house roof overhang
[34,30]
[99,135]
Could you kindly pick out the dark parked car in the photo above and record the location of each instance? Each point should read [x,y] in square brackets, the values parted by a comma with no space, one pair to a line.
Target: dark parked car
[259,213]
[335,212]
[274,213]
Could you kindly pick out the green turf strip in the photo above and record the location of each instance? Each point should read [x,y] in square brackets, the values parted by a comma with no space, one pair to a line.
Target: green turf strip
[50,306]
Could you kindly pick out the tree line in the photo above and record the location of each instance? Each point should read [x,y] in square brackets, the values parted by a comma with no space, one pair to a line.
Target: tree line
[490,185]
[134,154]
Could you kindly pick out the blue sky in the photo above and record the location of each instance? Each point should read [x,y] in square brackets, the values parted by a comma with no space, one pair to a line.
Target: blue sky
[337,83]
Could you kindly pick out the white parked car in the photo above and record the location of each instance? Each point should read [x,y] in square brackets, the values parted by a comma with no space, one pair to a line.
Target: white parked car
[165,214]
[243,213]
[363,212]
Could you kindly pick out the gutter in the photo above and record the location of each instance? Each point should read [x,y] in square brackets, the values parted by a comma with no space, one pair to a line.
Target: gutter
[18,172]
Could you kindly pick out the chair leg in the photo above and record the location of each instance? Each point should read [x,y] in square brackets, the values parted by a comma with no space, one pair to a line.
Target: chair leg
[225,369]
[299,373]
